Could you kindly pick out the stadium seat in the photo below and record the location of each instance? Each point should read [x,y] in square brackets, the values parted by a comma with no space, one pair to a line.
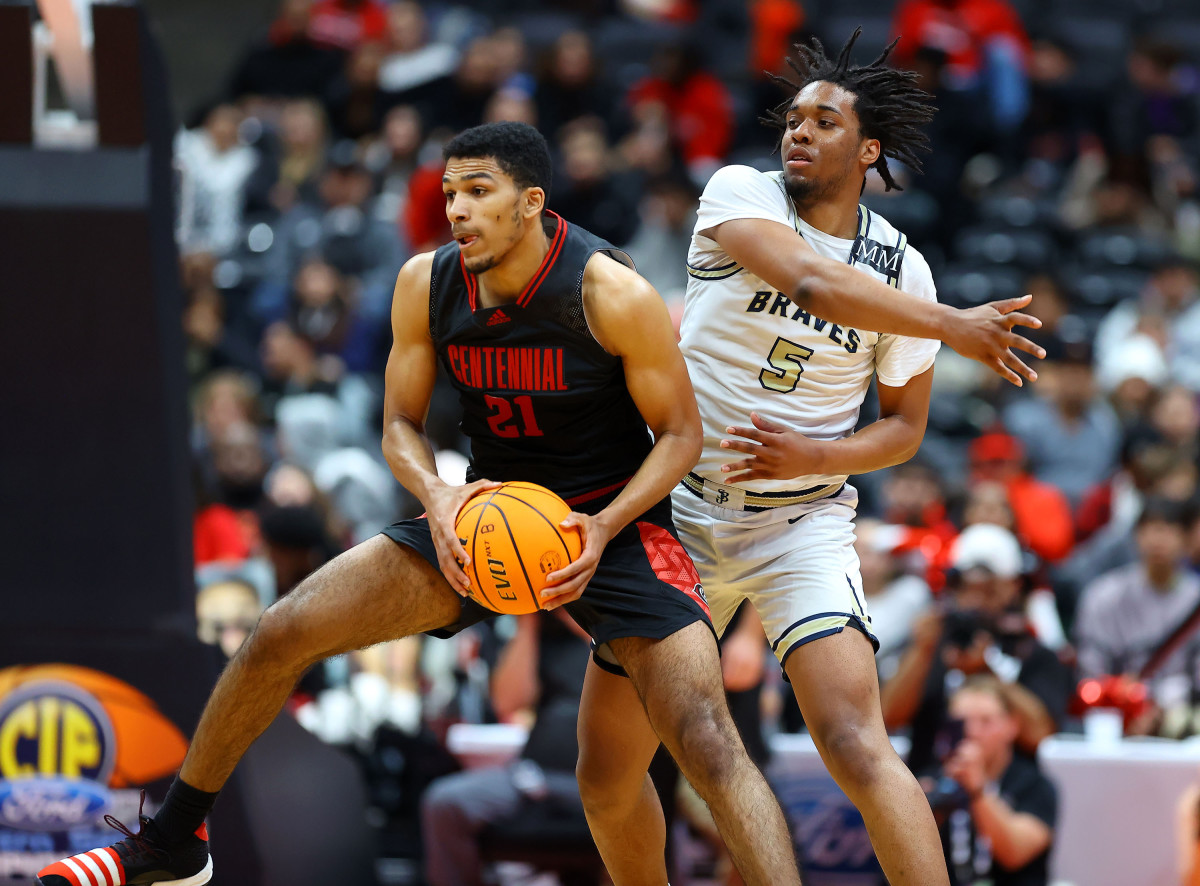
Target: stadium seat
[1102,286]
[1029,248]
[966,284]
[912,211]
[541,29]
[877,33]
[1122,247]
[1018,211]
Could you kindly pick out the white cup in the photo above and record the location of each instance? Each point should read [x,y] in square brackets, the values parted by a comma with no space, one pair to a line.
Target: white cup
[1104,726]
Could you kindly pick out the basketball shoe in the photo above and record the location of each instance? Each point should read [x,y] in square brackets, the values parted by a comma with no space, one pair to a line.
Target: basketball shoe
[139,859]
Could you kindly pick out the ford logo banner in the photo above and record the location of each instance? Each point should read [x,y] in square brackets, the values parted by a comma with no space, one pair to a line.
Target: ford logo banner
[51,804]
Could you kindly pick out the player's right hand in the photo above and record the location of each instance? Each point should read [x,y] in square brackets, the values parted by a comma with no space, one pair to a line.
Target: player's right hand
[442,512]
[986,334]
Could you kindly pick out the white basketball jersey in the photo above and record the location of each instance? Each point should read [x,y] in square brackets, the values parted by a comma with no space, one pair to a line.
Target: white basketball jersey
[750,348]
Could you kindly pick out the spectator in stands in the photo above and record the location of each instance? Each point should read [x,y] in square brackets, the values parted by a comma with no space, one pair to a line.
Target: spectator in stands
[226,613]
[895,598]
[392,158]
[345,229]
[1176,417]
[914,498]
[509,104]
[354,99]
[589,192]
[1131,376]
[347,24]
[1106,190]
[695,105]
[324,310]
[1167,310]
[1004,831]
[211,344]
[214,167]
[1052,306]
[510,53]
[287,62]
[413,61]
[219,533]
[1043,515]
[291,366]
[659,248]
[239,464]
[569,85]
[289,174]
[1070,434]
[459,102]
[981,629]
[1126,614]
[538,676]
[986,47]
[1155,100]
[1065,107]
[296,543]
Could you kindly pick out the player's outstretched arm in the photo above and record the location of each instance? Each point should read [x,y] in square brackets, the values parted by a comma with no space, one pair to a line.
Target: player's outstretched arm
[408,386]
[630,321]
[840,294]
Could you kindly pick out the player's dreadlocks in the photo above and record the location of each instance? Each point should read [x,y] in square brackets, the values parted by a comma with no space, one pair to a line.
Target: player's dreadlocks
[888,103]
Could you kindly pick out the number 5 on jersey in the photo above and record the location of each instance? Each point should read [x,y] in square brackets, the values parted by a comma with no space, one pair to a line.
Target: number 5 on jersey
[787,362]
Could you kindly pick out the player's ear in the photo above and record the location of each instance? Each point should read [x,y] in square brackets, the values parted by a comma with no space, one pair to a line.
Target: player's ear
[534,201]
[870,151]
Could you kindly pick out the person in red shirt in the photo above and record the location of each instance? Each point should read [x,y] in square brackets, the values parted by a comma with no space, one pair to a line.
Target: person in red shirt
[985,44]
[695,104]
[347,24]
[960,28]
[1043,516]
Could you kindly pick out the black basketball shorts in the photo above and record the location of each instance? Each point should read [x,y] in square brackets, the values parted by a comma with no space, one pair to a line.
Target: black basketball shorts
[644,586]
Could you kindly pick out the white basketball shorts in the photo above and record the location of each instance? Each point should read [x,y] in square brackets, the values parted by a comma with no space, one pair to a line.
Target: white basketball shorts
[795,564]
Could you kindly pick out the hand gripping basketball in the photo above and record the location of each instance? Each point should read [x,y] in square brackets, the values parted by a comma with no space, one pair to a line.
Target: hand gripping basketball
[513,537]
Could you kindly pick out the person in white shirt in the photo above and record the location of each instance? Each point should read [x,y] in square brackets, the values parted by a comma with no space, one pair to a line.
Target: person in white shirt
[798,296]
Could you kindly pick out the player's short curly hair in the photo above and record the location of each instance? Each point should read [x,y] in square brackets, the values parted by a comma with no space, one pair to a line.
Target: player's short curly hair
[518,148]
[889,105]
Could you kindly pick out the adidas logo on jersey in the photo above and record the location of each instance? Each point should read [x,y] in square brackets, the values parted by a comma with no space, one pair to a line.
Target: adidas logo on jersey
[498,317]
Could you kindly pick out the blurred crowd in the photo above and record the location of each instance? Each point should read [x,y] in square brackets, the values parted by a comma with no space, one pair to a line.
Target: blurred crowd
[1042,537]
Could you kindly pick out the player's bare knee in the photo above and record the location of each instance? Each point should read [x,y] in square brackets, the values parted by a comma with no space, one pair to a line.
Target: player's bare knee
[605,787]
[709,749]
[279,642]
[854,753]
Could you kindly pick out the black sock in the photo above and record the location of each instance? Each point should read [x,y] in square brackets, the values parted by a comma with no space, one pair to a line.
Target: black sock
[183,811]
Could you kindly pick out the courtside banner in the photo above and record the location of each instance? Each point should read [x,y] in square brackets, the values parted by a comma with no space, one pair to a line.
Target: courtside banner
[829,834]
[76,744]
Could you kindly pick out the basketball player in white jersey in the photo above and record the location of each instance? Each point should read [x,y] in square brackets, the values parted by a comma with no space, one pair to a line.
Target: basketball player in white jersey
[797,296]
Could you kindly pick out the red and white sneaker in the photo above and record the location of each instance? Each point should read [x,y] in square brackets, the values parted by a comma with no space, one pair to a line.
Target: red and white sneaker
[140,859]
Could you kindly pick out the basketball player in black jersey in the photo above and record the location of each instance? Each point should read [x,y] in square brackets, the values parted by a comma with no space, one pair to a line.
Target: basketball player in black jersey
[567,369]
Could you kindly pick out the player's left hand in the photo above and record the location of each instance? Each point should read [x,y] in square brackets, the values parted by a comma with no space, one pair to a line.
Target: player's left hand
[567,584]
[776,452]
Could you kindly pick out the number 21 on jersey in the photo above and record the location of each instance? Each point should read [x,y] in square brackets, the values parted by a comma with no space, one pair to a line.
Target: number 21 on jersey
[786,362]
[504,423]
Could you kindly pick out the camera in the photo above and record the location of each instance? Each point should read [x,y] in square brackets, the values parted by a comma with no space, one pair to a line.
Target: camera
[959,626]
[946,794]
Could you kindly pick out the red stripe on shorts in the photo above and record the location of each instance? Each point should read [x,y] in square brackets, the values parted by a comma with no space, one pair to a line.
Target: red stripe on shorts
[671,562]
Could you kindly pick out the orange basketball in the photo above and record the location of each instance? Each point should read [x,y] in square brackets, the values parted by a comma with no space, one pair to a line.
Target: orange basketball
[514,540]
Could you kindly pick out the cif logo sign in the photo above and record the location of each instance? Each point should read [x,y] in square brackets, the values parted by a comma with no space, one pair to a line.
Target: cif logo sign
[51,728]
[56,755]
[68,735]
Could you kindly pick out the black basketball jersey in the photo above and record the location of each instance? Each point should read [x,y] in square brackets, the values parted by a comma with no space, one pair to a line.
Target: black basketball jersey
[542,400]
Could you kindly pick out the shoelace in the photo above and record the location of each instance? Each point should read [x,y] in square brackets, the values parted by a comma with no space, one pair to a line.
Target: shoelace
[137,839]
